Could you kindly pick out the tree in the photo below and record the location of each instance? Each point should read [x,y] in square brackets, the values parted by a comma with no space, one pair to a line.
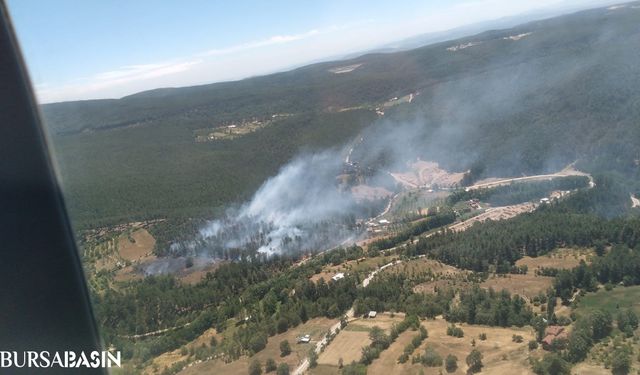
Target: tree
[454,331]
[258,342]
[533,345]
[270,365]
[601,323]
[282,325]
[285,348]
[451,363]
[313,358]
[474,361]
[599,247]
[369,353]
[553,364]
[627,320]
[620,362]
[551,304]
[304,316]
[379,339]
[283,369]
[431,358]
[579,341]
[632,318]
[539,325]
[354,369]
[255,368]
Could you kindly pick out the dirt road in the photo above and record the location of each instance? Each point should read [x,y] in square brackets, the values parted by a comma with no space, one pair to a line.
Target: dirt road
[304,366]
[568,171]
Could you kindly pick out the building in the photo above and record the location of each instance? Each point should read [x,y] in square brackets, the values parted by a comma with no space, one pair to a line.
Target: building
[338,276]
[372,314]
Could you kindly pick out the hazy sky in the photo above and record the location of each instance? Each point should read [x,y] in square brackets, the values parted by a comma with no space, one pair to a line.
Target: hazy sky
[85,49]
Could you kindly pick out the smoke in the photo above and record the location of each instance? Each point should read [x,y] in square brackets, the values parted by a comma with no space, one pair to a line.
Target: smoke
[511,110]
[301,209]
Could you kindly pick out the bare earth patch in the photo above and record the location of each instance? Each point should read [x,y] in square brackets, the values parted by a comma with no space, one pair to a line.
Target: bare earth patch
[427,174]
[344,69]
[495,214]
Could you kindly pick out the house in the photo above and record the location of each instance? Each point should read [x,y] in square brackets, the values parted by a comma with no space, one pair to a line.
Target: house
[372,314]
[338,276]
[553,334]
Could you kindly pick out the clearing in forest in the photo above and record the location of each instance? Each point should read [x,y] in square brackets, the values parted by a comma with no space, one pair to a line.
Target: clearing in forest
[560,259]
[316,328]
[136,246]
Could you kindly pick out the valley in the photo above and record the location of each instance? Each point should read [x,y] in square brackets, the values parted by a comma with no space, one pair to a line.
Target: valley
[466,206]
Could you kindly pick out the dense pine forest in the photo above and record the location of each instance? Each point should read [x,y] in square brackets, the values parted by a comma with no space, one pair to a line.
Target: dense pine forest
[566,92]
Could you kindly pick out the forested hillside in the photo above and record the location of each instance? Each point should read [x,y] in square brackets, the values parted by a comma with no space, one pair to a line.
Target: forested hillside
[519,101]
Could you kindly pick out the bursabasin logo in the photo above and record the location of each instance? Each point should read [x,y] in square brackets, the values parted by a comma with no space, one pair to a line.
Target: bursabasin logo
[66,359]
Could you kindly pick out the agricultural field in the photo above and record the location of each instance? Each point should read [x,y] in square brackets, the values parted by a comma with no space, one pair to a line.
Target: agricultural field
[347,345]
[560,259]
[316,328]
[618,298]
[441,275]
[388,361]
[136,246]
[349,342]
[420,265]
[524,285]
[382,320]
[501,355]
